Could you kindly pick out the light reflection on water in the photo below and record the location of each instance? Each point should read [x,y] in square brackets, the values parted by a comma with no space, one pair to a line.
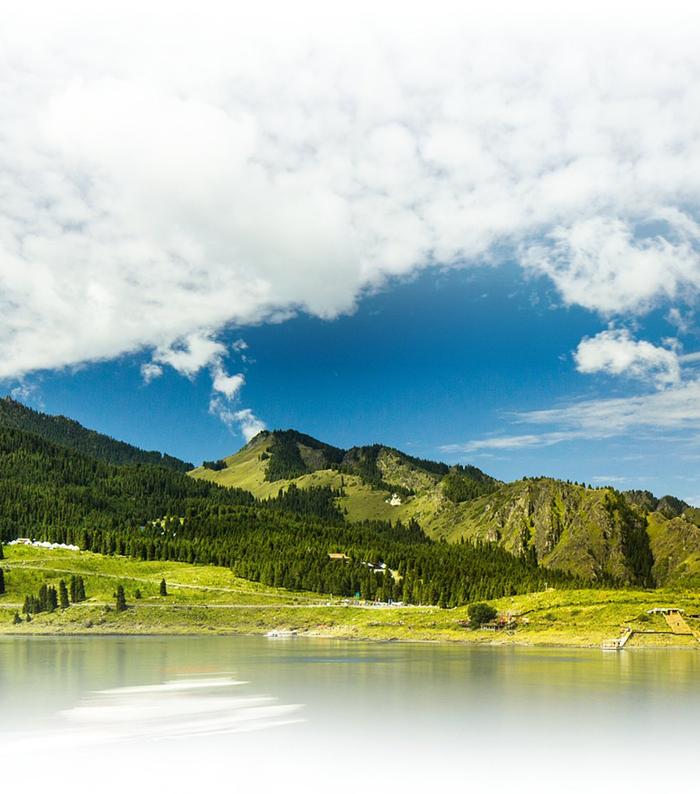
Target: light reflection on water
[175,708]
[209,714]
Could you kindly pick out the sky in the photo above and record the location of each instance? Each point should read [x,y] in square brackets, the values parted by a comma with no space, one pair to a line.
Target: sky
[473,237]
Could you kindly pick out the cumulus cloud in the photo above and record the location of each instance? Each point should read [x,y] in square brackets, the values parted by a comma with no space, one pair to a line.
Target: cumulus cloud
[615,352]
[27,392]
[165,174]
[602,264]
[199,350]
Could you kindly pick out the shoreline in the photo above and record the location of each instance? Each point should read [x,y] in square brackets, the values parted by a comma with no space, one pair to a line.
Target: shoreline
[350,637]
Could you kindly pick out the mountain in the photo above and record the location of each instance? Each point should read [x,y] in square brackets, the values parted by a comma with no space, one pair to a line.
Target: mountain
[598,534]
[447,534]
[373,482]
[72,435]
[299,540]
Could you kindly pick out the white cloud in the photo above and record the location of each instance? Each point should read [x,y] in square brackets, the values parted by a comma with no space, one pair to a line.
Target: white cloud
[670,409]
[188,355]
[512,442]
[672,413]
[165,174]
[599,263]
[243,420]
[228,385]
[193,353]
[28,393]
[150,371]
[249,423]
[683,322]
[615,352]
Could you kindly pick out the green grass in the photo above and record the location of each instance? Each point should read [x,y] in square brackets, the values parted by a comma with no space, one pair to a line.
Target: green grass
[208,599]
[246,470]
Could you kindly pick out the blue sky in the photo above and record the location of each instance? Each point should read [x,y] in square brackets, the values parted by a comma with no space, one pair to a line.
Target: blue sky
[426,365]
[473,236]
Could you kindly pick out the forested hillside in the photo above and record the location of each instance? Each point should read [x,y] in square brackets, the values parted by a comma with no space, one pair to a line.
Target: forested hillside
[69,433]
[52,493]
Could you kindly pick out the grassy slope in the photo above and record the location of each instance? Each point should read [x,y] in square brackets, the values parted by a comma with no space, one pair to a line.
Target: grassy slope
[207,599]
[436,514]
[587,545]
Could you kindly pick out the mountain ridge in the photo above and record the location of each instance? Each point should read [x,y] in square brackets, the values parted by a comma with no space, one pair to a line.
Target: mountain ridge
[68,433]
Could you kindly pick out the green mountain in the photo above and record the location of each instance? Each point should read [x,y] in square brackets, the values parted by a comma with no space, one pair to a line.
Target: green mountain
[598,534]
[69,433]
[298,539]
[434,533]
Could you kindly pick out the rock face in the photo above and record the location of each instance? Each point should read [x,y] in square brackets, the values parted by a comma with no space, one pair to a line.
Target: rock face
[594,533]
[675,545]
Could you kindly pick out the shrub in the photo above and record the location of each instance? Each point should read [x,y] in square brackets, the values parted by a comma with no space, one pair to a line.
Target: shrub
[480,614]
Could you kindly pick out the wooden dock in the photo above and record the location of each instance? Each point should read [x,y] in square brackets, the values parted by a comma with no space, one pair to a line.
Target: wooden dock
[619,643]
[675,621]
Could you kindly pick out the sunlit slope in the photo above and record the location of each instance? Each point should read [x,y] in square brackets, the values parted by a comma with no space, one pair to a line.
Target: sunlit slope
[426,503]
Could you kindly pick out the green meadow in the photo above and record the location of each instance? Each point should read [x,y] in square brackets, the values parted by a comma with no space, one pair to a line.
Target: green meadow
[210,600]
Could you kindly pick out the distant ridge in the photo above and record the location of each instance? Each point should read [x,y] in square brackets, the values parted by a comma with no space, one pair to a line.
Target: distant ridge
[72,435]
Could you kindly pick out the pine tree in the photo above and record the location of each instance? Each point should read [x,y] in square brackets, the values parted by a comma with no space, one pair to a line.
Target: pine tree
[16,619]
[2,582]
[51,599]
[63,595]
[43,599]
[163,588]
[120,599]
[2,552]
[137,594]
[77,589]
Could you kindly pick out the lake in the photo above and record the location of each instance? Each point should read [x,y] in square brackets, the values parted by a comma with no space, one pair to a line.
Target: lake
[203,714]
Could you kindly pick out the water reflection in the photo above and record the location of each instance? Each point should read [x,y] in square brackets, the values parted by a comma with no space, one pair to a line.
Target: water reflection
[194,714]
[201,707]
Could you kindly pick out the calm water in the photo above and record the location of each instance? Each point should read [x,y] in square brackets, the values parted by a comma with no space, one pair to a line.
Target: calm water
[219,714]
